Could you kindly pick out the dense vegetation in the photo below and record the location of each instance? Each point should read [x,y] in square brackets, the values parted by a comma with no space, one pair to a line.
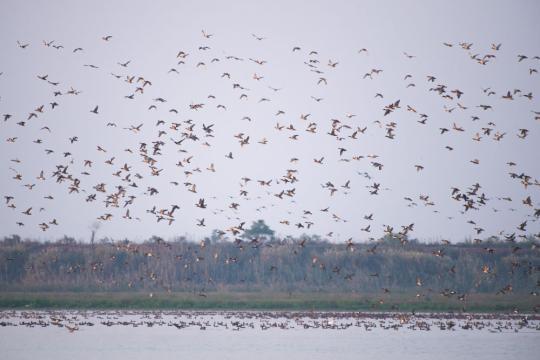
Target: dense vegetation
[270,264]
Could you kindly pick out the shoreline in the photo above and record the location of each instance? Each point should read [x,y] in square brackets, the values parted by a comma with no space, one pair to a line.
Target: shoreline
[258,301]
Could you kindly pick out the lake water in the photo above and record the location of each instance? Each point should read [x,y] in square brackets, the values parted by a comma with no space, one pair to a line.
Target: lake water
[264,335]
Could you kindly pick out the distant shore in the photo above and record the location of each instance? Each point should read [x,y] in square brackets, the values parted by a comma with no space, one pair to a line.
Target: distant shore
[522,303]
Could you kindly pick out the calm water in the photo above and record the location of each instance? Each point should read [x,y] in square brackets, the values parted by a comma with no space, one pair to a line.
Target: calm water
[271,335]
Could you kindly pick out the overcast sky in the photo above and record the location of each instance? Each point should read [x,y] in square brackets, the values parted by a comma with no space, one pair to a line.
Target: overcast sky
[403,39]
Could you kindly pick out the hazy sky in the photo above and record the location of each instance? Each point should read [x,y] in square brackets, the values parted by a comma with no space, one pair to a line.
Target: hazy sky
[403,39]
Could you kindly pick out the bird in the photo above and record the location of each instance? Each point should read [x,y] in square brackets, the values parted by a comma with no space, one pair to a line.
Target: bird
[201,204]
[259,38]
[22,46]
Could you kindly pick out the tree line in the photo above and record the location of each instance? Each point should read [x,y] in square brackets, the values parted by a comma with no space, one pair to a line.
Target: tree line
[261,261]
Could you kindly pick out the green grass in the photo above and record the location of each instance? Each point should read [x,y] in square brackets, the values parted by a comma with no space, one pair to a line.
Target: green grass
[264,301]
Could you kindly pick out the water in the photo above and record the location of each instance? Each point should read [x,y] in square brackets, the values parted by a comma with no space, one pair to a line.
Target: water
[269,335]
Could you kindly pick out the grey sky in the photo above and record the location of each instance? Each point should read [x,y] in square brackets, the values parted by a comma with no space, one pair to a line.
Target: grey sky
[150,35]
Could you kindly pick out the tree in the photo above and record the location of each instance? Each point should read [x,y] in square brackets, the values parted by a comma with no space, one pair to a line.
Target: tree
[12,240]
[216,236]
[258,228]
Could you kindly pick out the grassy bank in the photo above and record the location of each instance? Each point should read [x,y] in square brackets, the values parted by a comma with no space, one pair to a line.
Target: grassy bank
[266,301]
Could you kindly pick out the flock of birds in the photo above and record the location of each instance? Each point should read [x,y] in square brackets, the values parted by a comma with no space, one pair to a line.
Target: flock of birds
[174,134]
[235,321]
